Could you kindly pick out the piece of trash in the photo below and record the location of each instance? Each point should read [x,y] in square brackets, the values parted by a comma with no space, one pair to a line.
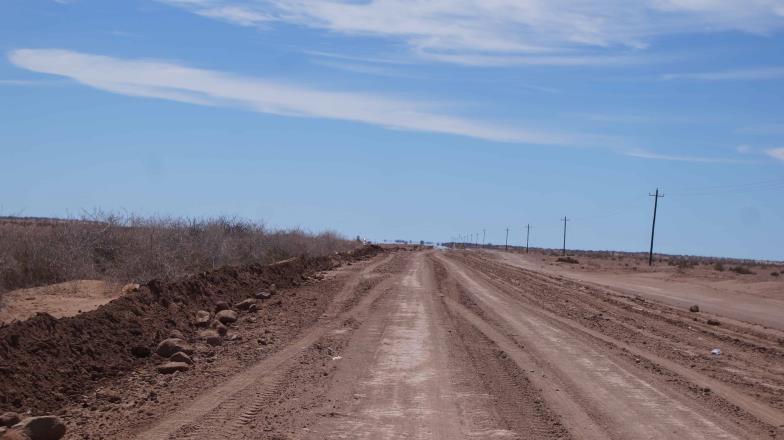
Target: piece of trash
[716,352]
[337,358]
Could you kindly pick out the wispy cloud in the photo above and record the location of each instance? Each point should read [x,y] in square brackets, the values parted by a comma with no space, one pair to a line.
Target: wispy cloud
[25,82]
[171,81]
[642,154]
[498,32]
[763,73]
[776,153]
[763,129]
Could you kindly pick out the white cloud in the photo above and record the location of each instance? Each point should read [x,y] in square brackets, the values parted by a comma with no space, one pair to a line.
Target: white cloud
[166,80]
[493,32]
[642,154]
[763,73]
[776,153]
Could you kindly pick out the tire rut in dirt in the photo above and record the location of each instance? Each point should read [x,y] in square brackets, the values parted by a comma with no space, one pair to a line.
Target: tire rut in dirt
[582,305]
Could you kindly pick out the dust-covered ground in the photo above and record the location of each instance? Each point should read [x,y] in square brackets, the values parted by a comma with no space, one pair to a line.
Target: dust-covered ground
[420,344]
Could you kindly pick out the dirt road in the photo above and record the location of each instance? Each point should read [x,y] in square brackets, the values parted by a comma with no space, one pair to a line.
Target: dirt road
[455,345]
[758,302]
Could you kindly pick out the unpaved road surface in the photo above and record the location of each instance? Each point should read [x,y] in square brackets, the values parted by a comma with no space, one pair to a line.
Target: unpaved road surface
[457,345]
[753,301]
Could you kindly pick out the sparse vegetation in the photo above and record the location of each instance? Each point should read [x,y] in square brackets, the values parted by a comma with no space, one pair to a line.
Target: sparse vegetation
[719,266]
[569,260]
[742,270]
[775,274]
[43,251]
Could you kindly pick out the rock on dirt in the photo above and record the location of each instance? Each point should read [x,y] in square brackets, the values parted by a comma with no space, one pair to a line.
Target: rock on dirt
[221,305]
[713,322]
[9,419]
[246,304]
[695,308]
[172,367]
[263,295]
[176,334]
[168,347]
[181,357]
[41,428]
[202,318]
[211,337]
[226,316]
[219,327]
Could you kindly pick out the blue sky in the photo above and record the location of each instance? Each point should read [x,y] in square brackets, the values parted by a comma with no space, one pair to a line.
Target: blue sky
[405,119]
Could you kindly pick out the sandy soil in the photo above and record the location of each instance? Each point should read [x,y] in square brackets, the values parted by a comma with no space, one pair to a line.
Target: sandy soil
[757,298]
[456,345]
[63,299]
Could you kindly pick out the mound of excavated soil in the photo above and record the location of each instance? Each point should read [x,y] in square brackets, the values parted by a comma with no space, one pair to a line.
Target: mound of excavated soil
[45,361]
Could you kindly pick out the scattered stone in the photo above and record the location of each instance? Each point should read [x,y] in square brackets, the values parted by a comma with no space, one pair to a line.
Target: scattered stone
[9,419]
[176,334]
[245,305]
[263,295]
[202,318]
[226,316]
[181,357]
[41,428]
[713,322]
[273,288]
[212,337]
[716,352]
[219,327]
[172,367]
[695,308]
[168,347]
[221,305]
[253,308]
[140,351]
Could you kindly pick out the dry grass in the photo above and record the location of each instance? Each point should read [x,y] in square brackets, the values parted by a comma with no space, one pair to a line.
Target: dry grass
[129,248]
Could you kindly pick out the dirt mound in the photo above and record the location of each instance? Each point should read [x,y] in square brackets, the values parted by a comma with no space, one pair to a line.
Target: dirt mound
[45,361]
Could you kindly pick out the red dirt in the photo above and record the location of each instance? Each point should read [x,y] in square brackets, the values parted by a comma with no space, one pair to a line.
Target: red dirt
[46,362]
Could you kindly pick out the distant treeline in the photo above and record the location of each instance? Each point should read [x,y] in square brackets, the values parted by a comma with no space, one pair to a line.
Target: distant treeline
[38,251]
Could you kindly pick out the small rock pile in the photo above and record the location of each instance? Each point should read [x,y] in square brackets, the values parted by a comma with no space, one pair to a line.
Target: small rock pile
[214,326]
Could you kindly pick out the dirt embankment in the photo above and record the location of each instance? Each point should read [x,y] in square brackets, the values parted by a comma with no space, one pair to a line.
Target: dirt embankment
[45,362]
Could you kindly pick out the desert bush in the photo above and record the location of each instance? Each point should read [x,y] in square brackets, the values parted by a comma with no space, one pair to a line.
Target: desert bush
[131,248]
[743,270]
[569,260]
[719,266]
[775,274]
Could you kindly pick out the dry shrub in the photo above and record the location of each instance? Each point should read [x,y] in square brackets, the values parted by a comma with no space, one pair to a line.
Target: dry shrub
[742,270]
[130,248]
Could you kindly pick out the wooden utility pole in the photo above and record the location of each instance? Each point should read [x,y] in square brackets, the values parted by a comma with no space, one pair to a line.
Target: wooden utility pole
[506,243]
[656,198]
[565,219]
[527,236]
[484,231]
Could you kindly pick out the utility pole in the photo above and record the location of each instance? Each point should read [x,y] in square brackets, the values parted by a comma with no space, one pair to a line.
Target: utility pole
[656,198]
[527,236]
[565,219]
[476,242]
[506,243]
[483,237]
